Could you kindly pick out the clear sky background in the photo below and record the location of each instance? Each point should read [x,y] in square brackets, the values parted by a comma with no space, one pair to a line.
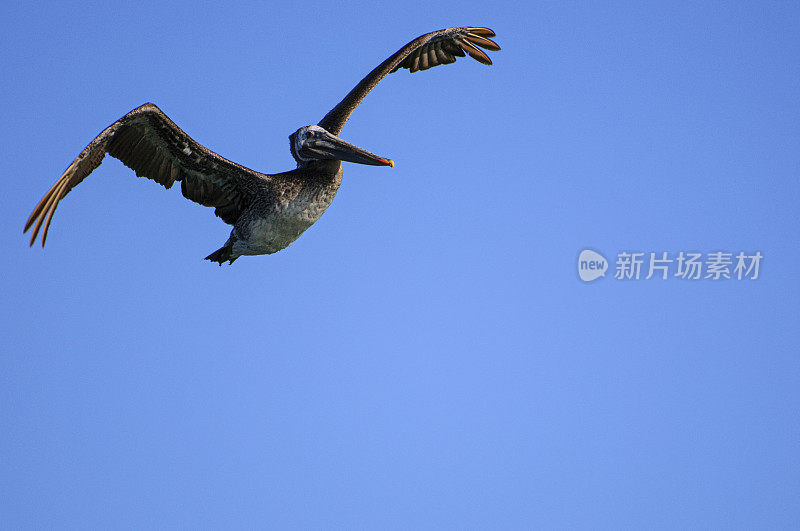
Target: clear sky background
[426,354]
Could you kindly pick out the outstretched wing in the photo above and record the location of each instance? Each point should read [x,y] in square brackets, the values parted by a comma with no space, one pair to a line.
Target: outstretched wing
[429,50]
[149,143]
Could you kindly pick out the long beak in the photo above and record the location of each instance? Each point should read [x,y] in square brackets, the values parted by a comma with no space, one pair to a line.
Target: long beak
[333,147]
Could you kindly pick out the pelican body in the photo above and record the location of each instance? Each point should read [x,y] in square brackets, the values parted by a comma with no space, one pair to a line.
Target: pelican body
[268,211]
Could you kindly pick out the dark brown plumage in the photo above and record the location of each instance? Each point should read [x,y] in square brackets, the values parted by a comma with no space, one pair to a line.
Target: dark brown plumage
[149,143]
[452,43]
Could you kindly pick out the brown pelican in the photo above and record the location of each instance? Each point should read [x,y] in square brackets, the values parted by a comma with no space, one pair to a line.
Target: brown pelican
[268,212]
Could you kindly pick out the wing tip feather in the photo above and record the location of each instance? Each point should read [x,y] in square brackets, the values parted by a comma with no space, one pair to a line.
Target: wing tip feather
[483,32]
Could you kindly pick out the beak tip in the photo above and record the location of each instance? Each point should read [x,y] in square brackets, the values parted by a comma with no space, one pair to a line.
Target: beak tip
[391,163]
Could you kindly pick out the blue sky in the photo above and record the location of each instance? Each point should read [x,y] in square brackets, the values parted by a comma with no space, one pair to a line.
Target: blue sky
[426,355]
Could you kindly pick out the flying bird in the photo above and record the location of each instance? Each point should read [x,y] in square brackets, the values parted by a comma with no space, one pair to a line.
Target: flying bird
[268,211]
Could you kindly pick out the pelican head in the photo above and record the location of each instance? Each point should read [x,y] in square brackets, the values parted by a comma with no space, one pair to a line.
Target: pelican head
[312,142]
